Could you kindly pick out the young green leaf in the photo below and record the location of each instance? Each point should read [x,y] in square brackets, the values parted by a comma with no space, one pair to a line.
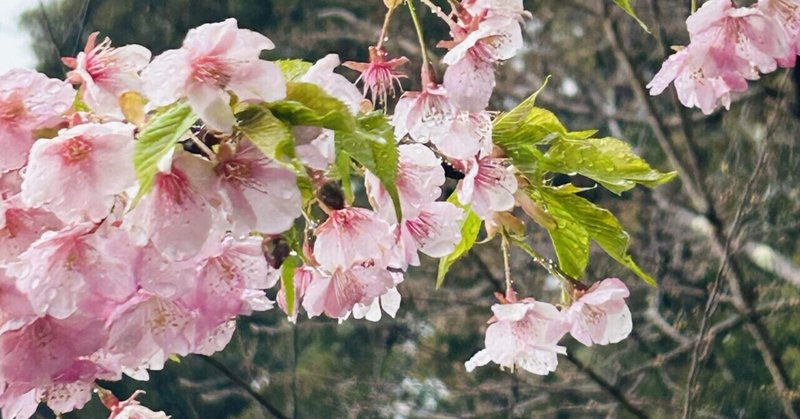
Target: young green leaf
[372,144]
[470,227]
[608,161]
[577,220]
[264,130]
[288,268]
[156,140]
[308,104]
[628,8]
[293,69]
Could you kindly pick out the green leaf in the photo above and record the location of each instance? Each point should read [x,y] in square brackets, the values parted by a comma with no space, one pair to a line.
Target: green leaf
[372,145]
[577,220]
[266,131]
[628,8]
[156,140]
[288,268]
[470,227]
[343,162]
[293,69]
[308,104]
[608,161]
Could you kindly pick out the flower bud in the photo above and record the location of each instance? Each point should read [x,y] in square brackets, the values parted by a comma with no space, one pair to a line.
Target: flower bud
[276,249]
[331,195]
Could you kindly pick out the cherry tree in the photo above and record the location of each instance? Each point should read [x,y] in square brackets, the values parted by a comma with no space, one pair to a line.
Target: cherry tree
[148,203]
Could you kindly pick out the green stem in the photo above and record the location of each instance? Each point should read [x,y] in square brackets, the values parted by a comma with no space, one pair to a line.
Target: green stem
[385,28]
[694,6]
[506,262]
[548,264]
[418,26]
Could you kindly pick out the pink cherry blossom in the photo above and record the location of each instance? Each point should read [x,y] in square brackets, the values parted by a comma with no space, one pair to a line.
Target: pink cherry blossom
[388,303]
[77,174]
[263,194]
[215,58]
[600,315]
[523,334]
[380,75]
[51,346]
[745,32]
[351,236]
[489,186]
[471,82]
[434,230]
[28,101]
[107,72]
[787,13]
[231,282]
[337,294]
[336,85]
[430,116]
[419,179]
[179,215]
[15,309]
[21,227]
[62,268]
[146,330]
[703,77]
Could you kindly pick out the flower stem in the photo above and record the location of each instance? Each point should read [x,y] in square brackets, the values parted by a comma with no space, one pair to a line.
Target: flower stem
[418,26]
[507,263]
[548,264]
[694,6]
[439,12]
[385,28]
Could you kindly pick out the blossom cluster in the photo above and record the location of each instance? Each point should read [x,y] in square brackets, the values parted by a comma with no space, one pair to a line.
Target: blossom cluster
[143,269]
[729,46]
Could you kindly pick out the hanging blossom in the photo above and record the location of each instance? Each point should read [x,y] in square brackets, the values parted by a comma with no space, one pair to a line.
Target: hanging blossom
[729,46]
[523,333]
[106,73]
[379,76]
[215,58]
[484,34]
[489,185]
[600,314]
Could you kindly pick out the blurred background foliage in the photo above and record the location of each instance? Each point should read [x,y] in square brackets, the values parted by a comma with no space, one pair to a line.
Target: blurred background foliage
[412,366]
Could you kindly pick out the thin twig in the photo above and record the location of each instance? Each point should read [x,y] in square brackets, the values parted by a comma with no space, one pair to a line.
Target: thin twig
[611,389]
[235,379]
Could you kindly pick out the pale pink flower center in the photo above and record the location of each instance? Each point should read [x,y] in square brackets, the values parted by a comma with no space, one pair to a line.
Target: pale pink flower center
[211,70]
[76,149]
[12,109]
[174,186]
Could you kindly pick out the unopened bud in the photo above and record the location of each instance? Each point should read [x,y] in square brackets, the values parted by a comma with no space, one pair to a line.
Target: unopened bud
[276,249]
[331,195]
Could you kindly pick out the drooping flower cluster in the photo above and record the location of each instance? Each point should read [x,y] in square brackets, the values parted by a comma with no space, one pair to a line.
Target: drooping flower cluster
[729,46]
[525,333]
[147,226]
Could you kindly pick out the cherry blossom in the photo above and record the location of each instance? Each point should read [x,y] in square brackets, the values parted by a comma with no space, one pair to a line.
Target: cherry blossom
[262,194]
[522,334]
[787,13]
[78,174]
[130,408]
[303,276]
[600,314]
[419,180]
[379,75]
[350,236]
[28,101]
[430,116]
[489,186]
[180,214]
[435,230]
[215,58]
[336,294]
[743,32]
[107,72]
[336,85]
